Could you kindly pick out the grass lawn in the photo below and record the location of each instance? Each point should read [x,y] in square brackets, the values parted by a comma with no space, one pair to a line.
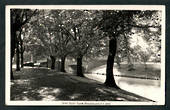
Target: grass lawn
[153,71]
[35,84]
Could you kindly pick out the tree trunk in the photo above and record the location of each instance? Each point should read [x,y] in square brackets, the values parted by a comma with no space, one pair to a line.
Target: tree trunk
[47,62]
[22,60]
[12,56]
[11,75]
[17,57]
[79,66]
[130,62]
[118,61]
[110,81]
[145,66]
[52,62]
[63,64]
[13,46]
[22,54]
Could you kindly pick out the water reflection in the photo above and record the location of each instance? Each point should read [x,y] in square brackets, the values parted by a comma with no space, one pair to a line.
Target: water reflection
[146,88]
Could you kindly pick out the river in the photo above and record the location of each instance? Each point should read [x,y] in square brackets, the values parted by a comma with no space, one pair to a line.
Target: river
[144,87]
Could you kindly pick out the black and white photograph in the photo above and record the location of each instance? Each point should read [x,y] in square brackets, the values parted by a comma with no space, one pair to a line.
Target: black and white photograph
[85,55]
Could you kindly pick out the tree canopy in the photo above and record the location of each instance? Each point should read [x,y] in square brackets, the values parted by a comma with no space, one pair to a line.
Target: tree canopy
[118,34]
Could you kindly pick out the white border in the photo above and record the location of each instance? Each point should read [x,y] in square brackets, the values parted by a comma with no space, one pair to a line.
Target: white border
[82,103]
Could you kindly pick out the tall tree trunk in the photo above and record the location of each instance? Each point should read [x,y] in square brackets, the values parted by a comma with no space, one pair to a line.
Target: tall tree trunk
[47,62]
[12,56]
[11,75]
[118,60]
[17,57]
[22,59]
[79,66]
[130,62]
[110,81]
[22,53]
[52,62]
[145,66]
[13,46]
[63,64]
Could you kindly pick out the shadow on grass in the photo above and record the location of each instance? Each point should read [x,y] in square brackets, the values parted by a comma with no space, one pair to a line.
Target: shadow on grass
[35,84]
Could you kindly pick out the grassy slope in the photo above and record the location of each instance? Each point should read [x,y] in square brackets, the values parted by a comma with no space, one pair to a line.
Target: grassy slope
[153,70]
[44,84]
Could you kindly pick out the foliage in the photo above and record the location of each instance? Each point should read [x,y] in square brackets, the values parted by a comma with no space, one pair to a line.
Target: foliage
[126,25]
[116,23]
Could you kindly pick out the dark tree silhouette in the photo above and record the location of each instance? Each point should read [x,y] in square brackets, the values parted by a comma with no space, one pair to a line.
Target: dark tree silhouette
[19,17]
[53,59]
[116,23]
[110,63]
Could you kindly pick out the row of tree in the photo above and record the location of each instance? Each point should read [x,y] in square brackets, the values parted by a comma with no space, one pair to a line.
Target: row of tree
[76,33]
[18,19]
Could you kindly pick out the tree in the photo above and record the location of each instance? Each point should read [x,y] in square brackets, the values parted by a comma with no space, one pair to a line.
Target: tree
[31,44]
[54,38]
[144,56]
[18,52]
[62,41]
[115,23]
[22,46]
[72,32]
[124,50]
[40,32]
[19,17]
[81,28]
